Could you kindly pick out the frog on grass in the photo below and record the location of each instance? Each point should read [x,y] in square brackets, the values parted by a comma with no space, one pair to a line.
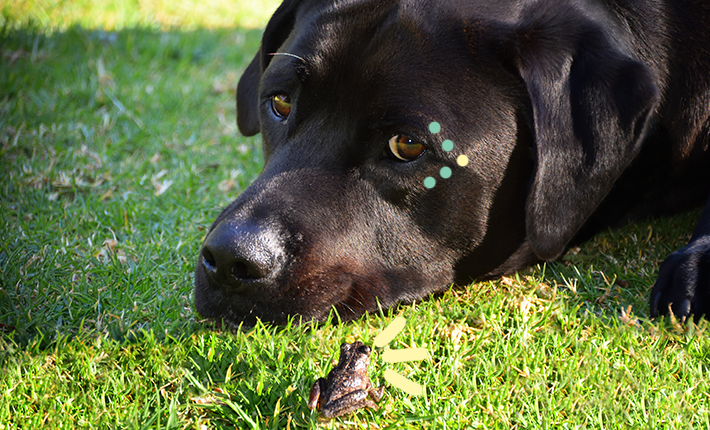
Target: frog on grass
[347,387]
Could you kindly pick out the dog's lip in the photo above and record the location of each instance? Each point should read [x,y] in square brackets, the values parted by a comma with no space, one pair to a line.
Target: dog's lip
[238,308]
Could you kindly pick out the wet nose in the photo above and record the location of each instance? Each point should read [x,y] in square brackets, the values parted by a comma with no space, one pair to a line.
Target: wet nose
[237,256]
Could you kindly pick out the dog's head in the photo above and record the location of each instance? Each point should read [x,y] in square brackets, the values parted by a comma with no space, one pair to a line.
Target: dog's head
[547,109]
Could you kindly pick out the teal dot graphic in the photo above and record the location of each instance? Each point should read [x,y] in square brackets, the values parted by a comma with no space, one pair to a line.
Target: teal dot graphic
[447,145]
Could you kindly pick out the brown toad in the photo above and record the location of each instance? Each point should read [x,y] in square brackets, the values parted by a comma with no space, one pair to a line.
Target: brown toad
[347,386]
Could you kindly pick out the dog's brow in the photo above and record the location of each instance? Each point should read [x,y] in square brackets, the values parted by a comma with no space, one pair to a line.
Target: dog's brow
[288,55]
[302,71]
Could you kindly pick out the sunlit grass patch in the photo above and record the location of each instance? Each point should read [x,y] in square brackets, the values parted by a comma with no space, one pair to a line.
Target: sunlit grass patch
[117,15]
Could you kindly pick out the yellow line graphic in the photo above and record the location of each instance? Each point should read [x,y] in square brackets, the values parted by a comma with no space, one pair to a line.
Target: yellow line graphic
[404,384]
[398,356]
[390,332]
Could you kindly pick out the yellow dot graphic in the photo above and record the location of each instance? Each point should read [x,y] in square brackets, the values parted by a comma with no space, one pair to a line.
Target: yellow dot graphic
[462,160]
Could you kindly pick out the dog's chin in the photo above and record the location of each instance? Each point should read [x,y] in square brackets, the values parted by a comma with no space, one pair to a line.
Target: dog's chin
[313,298]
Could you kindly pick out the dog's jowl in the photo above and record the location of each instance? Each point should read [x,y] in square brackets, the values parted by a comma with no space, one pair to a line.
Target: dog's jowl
[575,116]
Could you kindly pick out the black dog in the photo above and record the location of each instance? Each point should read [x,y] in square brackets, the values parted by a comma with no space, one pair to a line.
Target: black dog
[575,116]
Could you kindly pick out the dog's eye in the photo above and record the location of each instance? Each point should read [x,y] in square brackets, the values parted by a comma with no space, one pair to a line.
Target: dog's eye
[405,148]
[281,105]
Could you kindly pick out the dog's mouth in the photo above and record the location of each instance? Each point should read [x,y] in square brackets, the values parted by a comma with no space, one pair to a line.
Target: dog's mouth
[249,270]
[304,296]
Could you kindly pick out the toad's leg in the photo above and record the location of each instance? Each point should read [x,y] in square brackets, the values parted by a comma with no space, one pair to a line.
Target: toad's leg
[348,403]
[316,395]
[376,394]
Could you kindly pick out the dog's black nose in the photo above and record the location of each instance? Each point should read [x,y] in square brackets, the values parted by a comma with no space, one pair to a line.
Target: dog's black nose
[236,256]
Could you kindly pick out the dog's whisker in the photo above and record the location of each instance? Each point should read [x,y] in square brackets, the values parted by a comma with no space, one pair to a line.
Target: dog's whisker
[356,300]
[368,286]
[342,304]
[363,287]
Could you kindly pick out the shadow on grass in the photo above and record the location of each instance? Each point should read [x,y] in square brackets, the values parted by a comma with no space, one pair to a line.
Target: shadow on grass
[117,149]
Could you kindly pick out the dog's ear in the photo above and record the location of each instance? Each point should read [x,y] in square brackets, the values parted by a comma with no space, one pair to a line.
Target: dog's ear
[248,98]
[591,105]
[277,31]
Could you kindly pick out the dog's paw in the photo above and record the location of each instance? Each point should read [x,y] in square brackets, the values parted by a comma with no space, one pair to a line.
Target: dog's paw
[683,284]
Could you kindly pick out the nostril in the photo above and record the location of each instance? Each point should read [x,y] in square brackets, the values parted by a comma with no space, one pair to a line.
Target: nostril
[241,271]
[208,260]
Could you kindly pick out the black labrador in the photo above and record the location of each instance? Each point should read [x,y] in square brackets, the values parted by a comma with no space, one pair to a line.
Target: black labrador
[575,116]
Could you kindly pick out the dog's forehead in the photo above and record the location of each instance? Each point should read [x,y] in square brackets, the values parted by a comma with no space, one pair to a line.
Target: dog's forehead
[347,31]
[365,45]
[363,36]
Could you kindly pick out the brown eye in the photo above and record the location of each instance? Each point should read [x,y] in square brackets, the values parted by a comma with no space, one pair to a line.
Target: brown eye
[281,105]
[405,148]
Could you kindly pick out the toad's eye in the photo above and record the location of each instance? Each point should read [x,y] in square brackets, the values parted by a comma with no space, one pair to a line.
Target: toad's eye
[281,105]
[405,148]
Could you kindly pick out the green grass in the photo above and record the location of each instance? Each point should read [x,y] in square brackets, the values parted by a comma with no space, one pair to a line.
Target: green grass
[117,150]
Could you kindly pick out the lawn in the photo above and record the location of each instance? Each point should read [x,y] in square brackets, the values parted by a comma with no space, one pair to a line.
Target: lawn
[118,147]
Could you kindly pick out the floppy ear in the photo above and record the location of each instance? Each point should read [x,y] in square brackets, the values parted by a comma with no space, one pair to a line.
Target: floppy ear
[248,98]
[591,105]
[277,31]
